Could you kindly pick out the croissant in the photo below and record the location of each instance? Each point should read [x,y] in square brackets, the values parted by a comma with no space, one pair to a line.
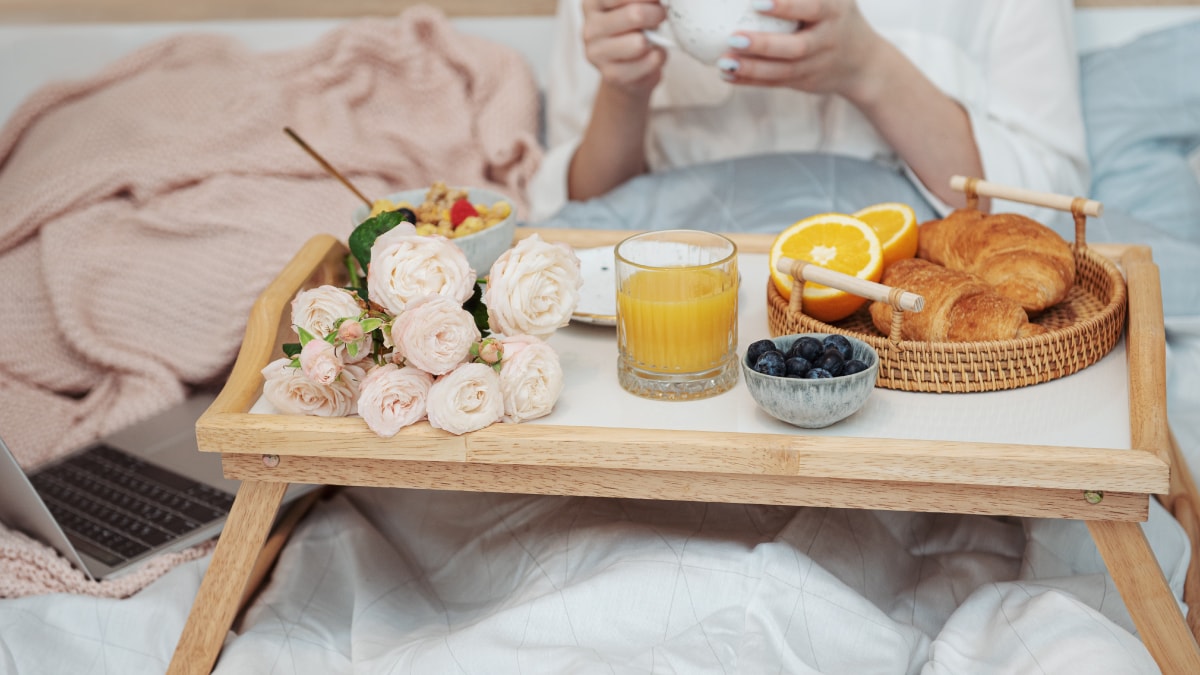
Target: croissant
[1023,259]
[959,306]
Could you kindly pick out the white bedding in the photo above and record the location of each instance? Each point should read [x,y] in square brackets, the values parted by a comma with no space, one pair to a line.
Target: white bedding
[441,582]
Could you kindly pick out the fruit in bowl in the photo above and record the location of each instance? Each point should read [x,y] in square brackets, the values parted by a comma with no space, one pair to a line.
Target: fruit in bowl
[810,380]
[480,221]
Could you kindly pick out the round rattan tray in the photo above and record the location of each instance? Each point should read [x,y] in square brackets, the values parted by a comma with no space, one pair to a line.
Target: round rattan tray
[1080,331]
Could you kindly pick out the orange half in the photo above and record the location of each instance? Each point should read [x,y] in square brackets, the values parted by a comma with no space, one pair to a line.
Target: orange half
[896,226]
[836,241]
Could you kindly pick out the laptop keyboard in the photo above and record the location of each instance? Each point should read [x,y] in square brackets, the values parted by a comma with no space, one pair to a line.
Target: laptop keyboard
[115,507]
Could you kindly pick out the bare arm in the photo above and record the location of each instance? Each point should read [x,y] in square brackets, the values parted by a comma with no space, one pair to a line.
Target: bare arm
[928,130]
[612,149]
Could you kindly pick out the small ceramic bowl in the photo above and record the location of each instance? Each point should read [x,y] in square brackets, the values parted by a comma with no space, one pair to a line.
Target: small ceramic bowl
[813,404]
[483,247]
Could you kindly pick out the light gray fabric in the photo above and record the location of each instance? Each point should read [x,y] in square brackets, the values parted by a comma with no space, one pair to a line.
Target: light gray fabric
[761,193]
[1141,105]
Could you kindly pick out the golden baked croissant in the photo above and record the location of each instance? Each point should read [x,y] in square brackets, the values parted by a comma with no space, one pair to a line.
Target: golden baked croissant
[959,307]
[1023,259]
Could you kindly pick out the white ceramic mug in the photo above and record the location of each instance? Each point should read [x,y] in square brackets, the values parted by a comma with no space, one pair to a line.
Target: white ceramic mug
[702,27]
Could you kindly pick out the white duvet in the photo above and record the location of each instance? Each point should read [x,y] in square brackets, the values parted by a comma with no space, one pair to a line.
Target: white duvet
[398,581]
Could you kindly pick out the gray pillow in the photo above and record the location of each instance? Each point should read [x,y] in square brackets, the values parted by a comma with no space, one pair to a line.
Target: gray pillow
[1141,106]
[760,193]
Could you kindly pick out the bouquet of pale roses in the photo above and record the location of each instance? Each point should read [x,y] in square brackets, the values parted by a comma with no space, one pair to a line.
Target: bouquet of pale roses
[416,335]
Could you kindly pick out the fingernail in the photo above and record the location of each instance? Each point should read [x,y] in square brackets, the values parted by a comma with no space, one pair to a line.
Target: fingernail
[728,65]
[763,5]
[739,41]
[728,77]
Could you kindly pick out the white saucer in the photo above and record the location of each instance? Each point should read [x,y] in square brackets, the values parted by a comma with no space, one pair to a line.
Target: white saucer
[598,296]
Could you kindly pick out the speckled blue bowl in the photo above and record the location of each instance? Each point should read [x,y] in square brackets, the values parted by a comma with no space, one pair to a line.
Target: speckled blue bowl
[813,404]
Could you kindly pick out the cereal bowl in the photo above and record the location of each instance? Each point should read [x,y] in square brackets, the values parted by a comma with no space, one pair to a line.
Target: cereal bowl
[813,403]
[482,247]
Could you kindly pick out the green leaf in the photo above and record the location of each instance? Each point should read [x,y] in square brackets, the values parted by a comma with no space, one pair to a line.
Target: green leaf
[369,325]
[363,236]
[478,310]
[305,336]
[352,349]
[291,349]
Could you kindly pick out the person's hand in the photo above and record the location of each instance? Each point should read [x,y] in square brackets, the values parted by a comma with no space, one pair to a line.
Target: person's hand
[615,45]
[834,51]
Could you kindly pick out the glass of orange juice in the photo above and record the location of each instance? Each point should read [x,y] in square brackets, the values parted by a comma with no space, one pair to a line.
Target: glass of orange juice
[677,314]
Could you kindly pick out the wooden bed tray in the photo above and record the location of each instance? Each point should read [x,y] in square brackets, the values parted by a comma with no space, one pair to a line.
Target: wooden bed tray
[1109,489]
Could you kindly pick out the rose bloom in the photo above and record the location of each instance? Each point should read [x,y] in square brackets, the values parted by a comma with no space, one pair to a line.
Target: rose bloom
[531,378]
[292,393]
[401,230]
[320,361]
[351,332]
[489,351]
[434,334]
[404,268]
[465,399]
[392,398]
[317,309]
[533,288]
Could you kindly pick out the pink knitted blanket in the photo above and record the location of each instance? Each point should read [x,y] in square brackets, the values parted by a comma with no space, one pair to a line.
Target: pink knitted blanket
[145,208]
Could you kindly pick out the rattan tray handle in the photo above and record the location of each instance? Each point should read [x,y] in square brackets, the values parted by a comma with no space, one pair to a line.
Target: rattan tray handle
[1079,207]
[803,270]
[983,188]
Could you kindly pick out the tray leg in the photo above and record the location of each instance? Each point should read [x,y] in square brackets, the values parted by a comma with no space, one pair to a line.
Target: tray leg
[1183,501]
[1144,589]
[224,583]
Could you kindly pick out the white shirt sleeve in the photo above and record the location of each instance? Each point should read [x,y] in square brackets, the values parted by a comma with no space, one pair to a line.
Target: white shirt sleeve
[1030,132]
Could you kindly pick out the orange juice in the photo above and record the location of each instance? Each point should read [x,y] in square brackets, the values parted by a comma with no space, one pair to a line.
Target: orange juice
[678,320]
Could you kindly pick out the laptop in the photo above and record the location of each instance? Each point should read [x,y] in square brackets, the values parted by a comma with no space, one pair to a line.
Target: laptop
[144,490]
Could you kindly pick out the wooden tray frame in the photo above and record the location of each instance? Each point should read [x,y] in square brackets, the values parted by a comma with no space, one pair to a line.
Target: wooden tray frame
[1109,489]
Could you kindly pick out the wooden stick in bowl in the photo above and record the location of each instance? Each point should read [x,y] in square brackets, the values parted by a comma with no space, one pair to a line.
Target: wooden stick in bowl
[326,165]
[807,271]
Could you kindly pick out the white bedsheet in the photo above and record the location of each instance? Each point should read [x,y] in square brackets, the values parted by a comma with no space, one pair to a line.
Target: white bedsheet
[442,582]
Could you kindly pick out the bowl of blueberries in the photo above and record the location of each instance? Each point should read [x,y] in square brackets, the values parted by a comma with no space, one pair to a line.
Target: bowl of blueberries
[810,380]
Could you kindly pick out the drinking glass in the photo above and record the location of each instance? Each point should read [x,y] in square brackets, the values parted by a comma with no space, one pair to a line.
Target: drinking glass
[677,314]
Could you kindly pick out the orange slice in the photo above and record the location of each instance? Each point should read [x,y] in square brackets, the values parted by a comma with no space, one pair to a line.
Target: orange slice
[834,240]
[896,225]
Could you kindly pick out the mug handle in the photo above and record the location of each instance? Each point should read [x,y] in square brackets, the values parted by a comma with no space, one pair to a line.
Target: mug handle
[657,38]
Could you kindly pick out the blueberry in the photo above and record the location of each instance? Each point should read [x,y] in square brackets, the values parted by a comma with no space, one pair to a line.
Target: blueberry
[807,347]
[832,362]
[757,349]
[842,344]
[853,366]
[818,374]
[796,366]
[407,215]
[771,363]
